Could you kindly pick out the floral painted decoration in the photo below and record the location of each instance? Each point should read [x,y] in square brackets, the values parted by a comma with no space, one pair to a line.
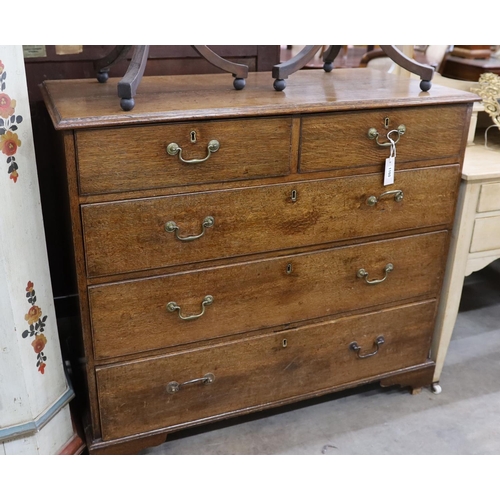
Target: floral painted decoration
[36,327]
[9,141]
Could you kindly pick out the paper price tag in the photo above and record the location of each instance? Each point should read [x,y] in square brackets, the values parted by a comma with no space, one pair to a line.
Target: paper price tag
[390,165]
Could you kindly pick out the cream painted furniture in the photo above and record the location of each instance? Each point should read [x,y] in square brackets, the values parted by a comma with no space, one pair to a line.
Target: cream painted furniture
[467,86]
[475,240]
[35,415]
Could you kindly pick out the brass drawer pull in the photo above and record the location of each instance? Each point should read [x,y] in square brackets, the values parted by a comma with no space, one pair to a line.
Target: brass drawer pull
[172,307]
[355,347]
[364,274]
[373,134]
[398,196]
[173,149]
[174,386]
[171,227]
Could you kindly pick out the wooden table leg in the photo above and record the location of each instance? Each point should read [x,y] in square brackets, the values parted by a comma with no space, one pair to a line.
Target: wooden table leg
[284,70]
[239,71]
[329,56]
[102,65]
[127,87]
[454,277]
[424,71]
[128,84]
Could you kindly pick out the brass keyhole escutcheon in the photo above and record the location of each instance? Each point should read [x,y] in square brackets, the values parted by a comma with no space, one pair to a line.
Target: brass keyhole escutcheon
[192,136]
[284,343]
[289,269]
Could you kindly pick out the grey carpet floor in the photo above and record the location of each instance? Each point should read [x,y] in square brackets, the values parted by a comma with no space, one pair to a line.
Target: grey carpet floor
[462,420]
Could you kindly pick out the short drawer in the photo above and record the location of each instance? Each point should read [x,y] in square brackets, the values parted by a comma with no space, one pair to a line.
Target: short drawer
[134,158]
[135,316]
[130,236]
[489,198]
[486,234]
[265,370]
[341,140]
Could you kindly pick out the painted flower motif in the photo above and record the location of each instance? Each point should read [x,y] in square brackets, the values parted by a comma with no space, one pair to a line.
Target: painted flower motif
[39,343]
[33,315]
[36,328]
[9,143]
[9,123]
[7,106]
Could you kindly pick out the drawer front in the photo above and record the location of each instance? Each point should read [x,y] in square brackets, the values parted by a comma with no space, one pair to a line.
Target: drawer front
[133,316]
[489,199]
[139,396]
[130,236]
[486,234]
[131,158]
[341,140]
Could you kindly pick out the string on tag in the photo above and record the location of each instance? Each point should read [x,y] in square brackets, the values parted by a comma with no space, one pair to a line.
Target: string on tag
[393,143]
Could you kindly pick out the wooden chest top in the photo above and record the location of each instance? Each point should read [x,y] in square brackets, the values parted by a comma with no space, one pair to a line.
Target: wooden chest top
[75,104]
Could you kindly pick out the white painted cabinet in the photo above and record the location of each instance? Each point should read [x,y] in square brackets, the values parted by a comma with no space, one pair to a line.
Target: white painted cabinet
[34,392]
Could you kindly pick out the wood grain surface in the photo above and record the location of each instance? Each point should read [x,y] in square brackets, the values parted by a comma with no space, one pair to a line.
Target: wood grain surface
[131,158]
[132,317]
[129,236]
[133,396]
[86,103]
[338,140]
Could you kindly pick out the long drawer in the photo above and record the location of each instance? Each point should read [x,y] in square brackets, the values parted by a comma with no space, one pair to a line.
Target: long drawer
[152,394]
[127,159]
[137,235]
[135,316]
[341,140]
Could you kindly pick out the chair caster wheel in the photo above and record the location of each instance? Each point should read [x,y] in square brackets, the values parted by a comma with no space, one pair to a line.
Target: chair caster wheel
[127,104]
[239,83]
[279,84]
[436,388]
[328,66]
[425,85]
[102,77]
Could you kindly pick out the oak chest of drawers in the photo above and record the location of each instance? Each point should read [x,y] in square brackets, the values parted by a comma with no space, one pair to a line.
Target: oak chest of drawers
[239,250]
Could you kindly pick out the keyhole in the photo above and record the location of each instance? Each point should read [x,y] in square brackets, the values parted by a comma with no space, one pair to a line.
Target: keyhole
[386,122]
[289,269]
[294,195]
[193,136]
[284,343]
